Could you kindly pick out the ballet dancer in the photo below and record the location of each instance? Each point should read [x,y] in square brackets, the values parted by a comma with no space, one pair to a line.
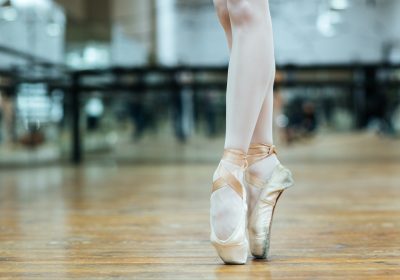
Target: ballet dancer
[249,178]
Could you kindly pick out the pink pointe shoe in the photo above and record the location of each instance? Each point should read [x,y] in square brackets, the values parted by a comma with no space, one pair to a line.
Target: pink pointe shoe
[260,219]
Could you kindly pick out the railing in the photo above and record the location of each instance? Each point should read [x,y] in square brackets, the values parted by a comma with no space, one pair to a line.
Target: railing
[361,80]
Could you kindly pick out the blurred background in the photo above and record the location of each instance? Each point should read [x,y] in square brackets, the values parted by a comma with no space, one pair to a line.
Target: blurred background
[134,81]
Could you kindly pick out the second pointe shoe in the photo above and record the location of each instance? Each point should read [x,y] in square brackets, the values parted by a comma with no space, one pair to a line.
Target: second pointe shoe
[260,219]
[234,246]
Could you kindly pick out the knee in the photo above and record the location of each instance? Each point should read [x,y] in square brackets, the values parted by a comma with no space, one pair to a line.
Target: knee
[241,12]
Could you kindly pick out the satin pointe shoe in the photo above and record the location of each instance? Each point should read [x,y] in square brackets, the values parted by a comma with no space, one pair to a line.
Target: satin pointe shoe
[234,249]
[260,218]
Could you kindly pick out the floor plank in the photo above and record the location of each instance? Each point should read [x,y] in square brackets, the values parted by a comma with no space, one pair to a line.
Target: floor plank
[340,221]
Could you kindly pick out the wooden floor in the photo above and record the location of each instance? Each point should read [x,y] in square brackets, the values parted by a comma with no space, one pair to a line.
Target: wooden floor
[340,221]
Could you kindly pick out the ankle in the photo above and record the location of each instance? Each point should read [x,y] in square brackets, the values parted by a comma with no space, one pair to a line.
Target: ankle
[264,168]
[233,161]
[231,167]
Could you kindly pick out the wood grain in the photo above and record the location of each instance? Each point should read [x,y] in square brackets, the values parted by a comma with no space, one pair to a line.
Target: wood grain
[340,221]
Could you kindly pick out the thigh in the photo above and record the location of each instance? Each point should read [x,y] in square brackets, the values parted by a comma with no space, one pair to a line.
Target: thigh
[220,3]
[221,7]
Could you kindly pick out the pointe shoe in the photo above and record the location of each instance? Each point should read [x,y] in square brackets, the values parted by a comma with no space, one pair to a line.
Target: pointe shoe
[260,219]
[234,249]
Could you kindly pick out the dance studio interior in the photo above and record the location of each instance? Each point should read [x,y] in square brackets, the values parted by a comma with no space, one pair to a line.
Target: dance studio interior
[112,122]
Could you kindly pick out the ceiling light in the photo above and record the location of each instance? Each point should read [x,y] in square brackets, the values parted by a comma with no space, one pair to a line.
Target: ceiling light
[41,4]
[326,23]
[339,4]
[8,11]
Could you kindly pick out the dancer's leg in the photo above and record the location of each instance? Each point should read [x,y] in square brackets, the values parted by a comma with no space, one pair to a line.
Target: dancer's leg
[250,75]
[250,69]
[221,6]
[263,130]
[263,134]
